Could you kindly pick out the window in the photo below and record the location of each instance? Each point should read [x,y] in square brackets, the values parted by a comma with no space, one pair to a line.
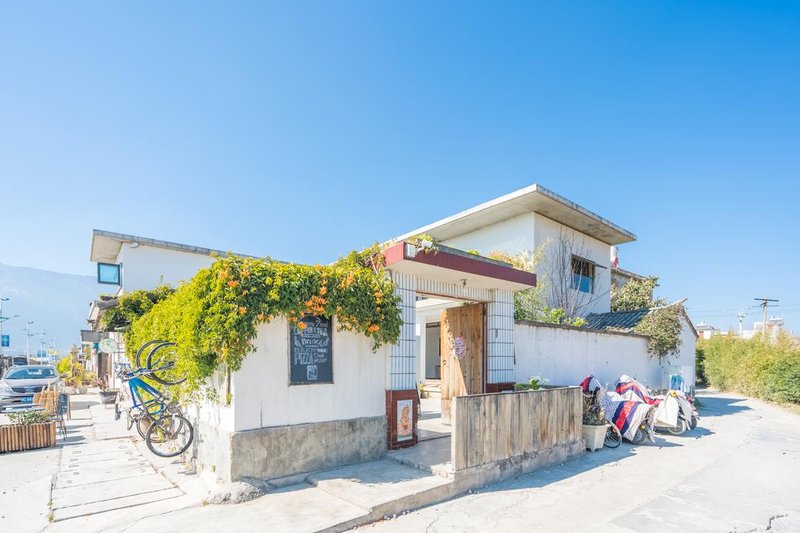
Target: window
[108,273]
[42,372]
[582,274]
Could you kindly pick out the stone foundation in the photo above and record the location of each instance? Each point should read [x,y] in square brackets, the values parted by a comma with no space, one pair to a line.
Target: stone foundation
[281,451]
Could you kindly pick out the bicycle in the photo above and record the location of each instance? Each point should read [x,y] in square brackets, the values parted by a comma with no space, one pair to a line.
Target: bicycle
[158,419]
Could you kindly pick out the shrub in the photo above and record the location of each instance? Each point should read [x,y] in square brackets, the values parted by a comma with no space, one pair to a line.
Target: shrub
[26,418]
[754,367]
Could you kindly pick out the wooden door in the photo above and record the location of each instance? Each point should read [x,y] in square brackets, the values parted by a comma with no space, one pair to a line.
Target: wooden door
[461,353]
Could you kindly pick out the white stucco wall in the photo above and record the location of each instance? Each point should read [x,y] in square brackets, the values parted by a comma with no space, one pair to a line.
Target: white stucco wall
[145,267]
[511,236]
[529,231]
[262,396]
[566,355]
[588,248]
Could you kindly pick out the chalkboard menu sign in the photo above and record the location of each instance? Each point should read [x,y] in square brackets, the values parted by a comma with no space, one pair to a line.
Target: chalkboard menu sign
[311,351]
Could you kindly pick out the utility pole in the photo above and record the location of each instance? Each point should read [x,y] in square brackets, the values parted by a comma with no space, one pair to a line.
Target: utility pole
[28,336]
[764,303]
[740,316]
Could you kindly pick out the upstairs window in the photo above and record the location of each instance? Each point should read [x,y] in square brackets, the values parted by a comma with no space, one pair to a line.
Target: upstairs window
[582,274]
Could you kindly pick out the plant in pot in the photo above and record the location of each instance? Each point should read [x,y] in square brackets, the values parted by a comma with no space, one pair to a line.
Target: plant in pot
[535,383]
[594,425]
[108,395]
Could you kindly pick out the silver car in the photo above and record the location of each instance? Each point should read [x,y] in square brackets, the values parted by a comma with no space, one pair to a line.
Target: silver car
[19,383]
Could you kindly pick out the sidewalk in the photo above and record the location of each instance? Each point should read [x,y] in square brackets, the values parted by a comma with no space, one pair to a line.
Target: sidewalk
[108,481]
[104,482]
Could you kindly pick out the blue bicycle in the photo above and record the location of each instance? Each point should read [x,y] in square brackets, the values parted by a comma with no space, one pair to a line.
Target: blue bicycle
[158,419]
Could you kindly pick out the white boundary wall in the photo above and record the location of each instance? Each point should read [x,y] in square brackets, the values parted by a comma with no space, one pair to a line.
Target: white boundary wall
[565,355]
[263,397]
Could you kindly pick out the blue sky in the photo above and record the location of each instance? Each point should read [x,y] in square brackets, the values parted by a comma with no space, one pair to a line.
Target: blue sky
[304,130]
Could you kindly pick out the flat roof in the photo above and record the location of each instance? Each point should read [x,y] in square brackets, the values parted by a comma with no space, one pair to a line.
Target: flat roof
[106,245]
[531,199]
[452,265]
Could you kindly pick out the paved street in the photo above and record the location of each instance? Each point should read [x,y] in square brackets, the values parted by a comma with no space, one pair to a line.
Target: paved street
[739,471]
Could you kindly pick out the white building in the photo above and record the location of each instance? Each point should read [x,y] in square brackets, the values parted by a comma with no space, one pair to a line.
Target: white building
[535,217]
[458,315]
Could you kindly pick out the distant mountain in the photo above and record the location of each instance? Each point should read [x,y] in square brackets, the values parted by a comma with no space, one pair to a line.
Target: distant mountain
[57,303]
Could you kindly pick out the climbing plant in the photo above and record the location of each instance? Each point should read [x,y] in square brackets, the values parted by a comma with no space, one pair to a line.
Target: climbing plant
[214,317]
[636,294]
[663,326]
[132,305]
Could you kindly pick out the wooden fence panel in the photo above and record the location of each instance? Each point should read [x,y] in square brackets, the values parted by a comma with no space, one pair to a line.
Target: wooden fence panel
[16,437]
[493,427]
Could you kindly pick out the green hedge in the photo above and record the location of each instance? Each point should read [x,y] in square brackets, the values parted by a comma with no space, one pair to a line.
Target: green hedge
[753,367]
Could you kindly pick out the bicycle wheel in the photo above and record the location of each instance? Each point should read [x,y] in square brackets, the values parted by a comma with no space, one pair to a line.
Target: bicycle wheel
[140,362]
[142,425]
[613,437]
[640,436]
[170,435]
[161,363]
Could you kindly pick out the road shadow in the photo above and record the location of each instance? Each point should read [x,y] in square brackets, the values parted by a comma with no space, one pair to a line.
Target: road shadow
[546,476]
[721,406]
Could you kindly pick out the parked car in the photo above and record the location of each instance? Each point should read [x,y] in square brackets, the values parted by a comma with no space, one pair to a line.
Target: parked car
[19,383]
[7,361]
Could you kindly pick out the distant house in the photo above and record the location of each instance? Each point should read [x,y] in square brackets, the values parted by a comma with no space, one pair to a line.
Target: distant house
[706,331]
[136,263]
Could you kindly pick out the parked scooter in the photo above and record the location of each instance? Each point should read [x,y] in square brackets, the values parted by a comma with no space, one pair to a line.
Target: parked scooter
[632,417]
[674,411]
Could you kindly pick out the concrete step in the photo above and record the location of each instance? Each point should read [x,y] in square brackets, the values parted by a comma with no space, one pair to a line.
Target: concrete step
[381,488]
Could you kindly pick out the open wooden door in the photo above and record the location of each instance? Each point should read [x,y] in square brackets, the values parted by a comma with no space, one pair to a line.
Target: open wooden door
[461,350]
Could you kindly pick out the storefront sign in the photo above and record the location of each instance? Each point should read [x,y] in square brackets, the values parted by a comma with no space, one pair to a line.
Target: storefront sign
[311,351]
[5,341]
[107,345]
[405,420]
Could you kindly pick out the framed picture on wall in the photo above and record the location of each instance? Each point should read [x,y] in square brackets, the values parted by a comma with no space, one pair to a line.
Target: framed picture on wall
[405,420]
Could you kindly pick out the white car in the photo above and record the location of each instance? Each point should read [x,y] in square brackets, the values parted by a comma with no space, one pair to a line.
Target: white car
[19,383]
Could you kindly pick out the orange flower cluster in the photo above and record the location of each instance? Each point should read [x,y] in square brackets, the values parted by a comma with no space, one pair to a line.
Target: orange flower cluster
[233,283]
[348,281]
[373,328]
[316,305]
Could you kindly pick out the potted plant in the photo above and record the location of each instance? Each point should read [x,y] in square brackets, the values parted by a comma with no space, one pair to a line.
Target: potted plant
[594,425]
[107,394]
[535,383]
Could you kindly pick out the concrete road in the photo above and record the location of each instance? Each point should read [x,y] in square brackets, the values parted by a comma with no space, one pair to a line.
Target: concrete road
[739,471]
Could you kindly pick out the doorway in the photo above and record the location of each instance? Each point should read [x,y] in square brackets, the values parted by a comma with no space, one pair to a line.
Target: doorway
[462,353]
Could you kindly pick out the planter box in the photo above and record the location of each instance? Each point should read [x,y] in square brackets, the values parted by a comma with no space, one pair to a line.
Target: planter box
[594,436]
[108,396]
[17,437]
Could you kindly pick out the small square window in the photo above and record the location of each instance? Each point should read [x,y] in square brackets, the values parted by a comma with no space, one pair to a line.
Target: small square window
[108,273]
[583,274]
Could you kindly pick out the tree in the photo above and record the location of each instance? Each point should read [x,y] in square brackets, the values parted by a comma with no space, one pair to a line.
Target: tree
[559,270]
[532,304]
[636,294]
